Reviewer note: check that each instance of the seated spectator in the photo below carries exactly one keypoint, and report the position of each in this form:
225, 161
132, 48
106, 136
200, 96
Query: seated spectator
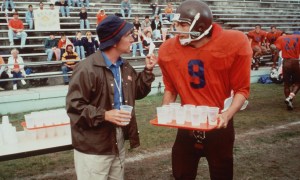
84, 22
137, 42
125, 8
68, 65
51, 46
78, 44
64, 8
8, 3
85, 3
169, 12
3, 74
100, 16
16, 68
257, 40
29, 17
156, 28
62, 43
148, 43
146, 25
156, 10
136, 23
41, 5
74, 3
16, 30
90, 44
51, 6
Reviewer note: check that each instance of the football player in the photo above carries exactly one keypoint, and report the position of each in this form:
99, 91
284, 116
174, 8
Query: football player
202, 64
272, 36
257, 40
290, 47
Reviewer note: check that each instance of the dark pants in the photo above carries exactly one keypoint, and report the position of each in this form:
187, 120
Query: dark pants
217, 148
4, 75
291, 76
17, 75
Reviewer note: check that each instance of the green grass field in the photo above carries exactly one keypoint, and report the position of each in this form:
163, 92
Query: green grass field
266, 109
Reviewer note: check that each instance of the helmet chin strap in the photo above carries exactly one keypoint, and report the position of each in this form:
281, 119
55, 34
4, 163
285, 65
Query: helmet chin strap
188, 40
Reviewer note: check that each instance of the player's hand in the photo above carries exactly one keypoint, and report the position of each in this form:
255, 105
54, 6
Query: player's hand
151, 61
223, 120
118, 117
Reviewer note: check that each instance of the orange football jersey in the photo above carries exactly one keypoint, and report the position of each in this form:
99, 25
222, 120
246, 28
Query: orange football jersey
289, 45
206, 75
257, 38
272, 37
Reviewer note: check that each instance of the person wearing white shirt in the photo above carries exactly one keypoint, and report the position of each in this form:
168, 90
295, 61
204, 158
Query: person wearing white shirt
16, 67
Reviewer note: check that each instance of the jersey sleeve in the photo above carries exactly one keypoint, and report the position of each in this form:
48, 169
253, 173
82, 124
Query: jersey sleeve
240, 68
278, 43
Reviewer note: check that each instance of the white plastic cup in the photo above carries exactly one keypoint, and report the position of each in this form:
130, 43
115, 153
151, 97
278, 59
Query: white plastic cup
168, 109
126, 108
212, 115
29, 121
173, 107
195, 117
188, 108
203, 110
5, 120
162, 115
180, 116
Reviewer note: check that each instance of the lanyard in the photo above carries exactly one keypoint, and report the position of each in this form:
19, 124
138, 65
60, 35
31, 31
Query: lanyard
119, 86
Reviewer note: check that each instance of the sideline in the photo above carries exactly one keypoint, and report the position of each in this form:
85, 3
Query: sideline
146, 155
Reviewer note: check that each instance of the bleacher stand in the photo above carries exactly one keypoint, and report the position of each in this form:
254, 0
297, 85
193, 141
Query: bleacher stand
239, 14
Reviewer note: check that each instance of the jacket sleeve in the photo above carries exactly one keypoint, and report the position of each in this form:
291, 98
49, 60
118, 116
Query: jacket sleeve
143, 84
79, 108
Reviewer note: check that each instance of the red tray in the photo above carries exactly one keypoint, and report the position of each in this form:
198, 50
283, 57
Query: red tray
186, 125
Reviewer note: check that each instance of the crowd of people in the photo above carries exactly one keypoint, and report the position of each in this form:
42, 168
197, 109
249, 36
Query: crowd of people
144, 33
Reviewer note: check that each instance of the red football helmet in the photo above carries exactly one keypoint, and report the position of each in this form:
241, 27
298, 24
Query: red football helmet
198, 15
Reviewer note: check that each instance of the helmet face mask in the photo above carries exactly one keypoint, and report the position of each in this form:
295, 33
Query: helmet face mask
198, 15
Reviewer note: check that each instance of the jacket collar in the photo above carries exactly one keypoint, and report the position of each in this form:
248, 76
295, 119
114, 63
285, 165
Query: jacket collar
98, 60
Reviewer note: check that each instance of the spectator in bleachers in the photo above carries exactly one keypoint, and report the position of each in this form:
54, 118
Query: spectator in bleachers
41, 5
85, 3
156, 28
51, 47
84, 22
74, 2
156, 10
29, 16
16, 30
148, 42
3, 74
137, 42
100, 16
125, 8
146, 25
90, 44
64, 8
9, 3
169, 12
257, 40
62, 43
78, 44
16, 67
136, 23
68, 66
51, 6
